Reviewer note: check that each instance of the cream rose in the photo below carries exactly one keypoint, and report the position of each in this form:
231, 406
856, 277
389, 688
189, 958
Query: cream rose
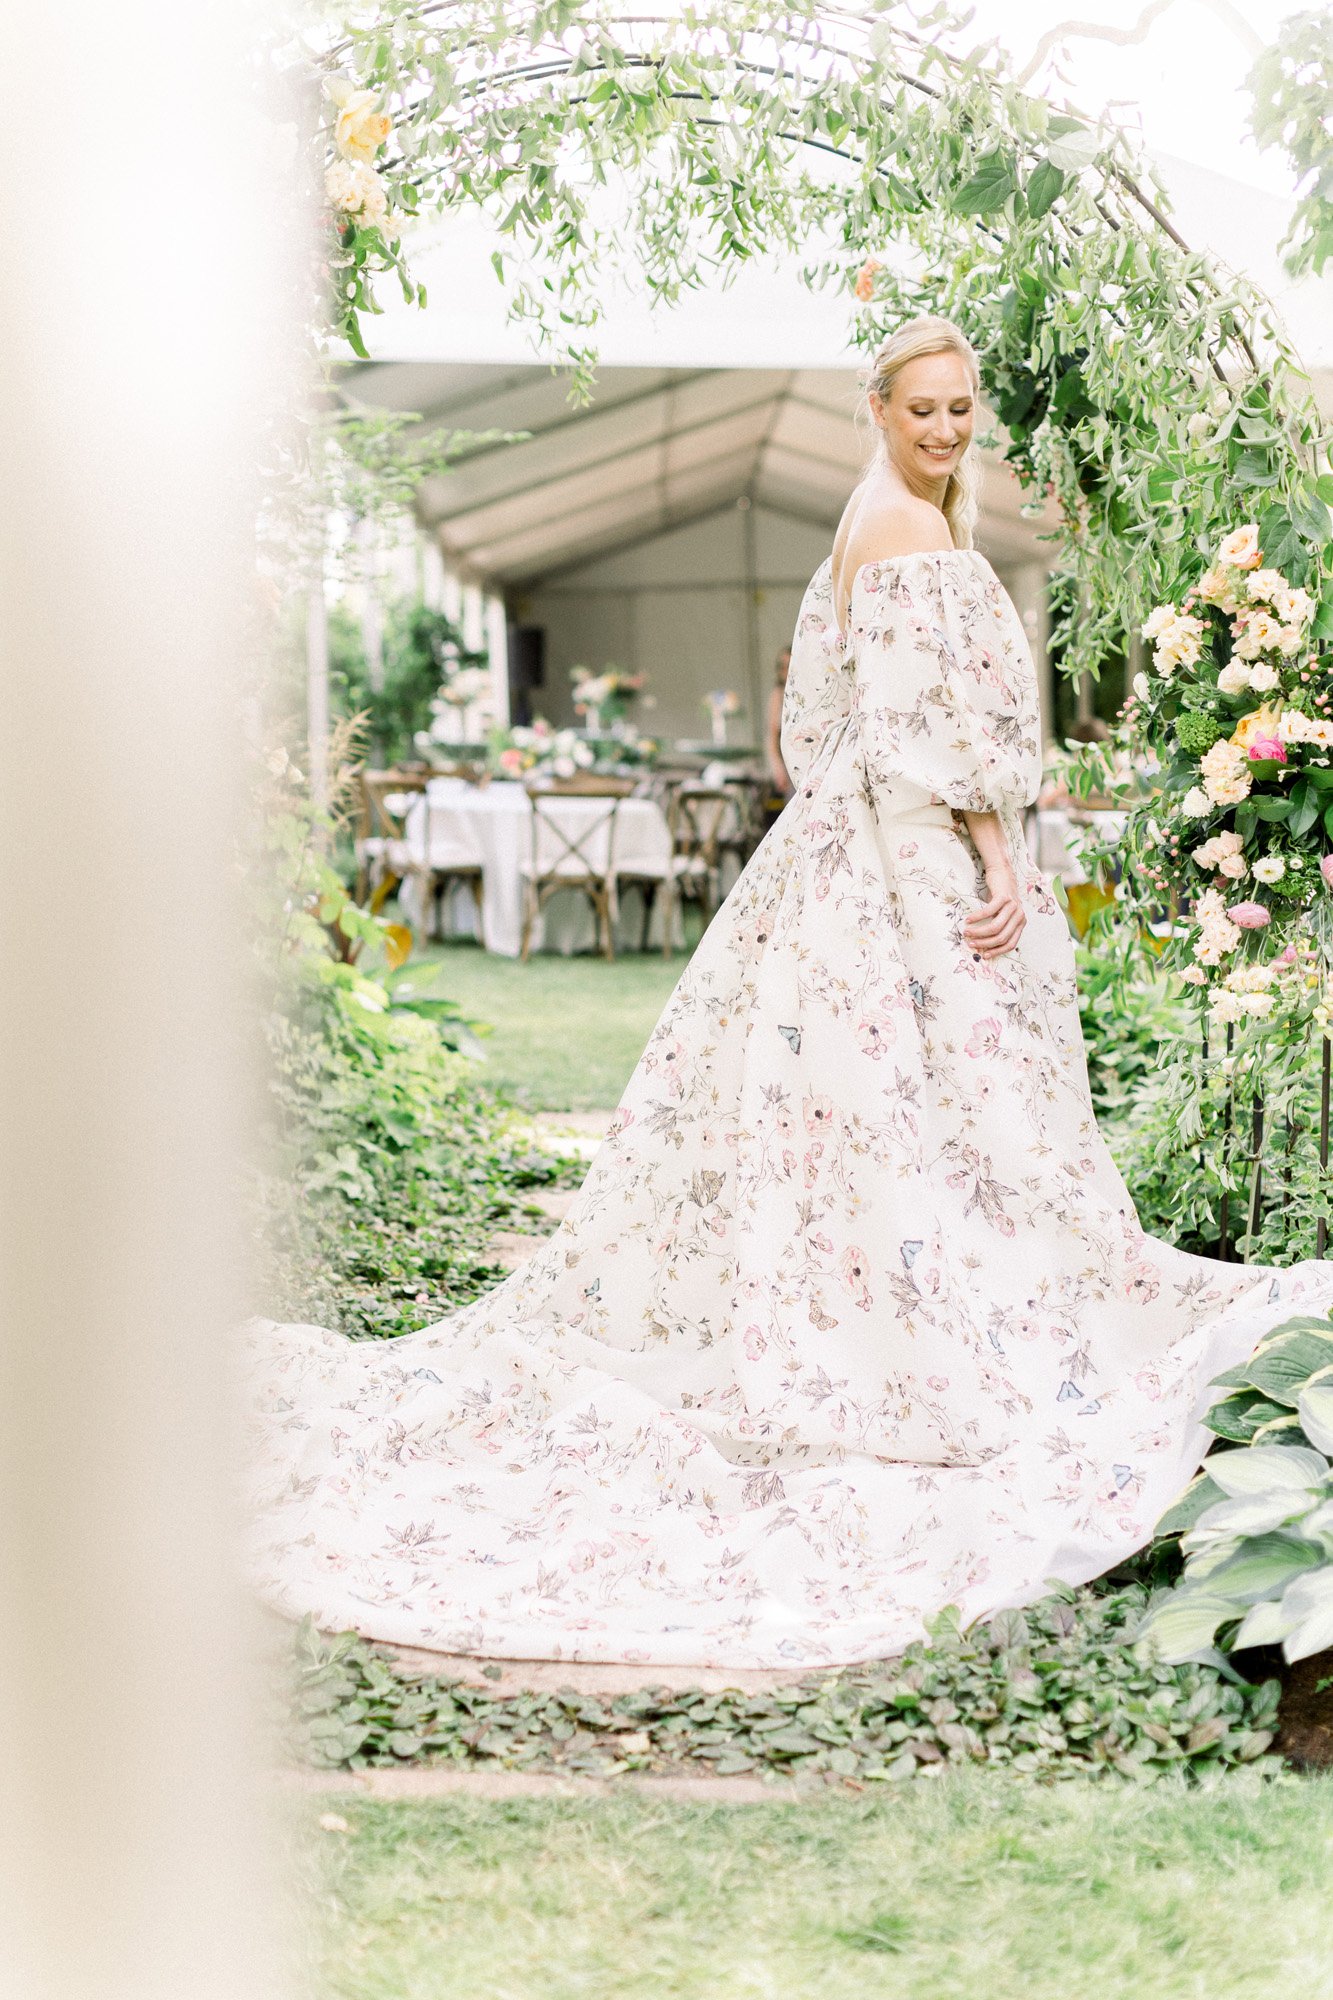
356, 190
1263, 583
1240, 549
1215, 588
1234, 677
1293, 607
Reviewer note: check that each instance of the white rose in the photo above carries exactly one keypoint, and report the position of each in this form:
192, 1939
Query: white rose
1140, 686
1263, 584
1293, 607
1263, 676
1232, 865
1234, 677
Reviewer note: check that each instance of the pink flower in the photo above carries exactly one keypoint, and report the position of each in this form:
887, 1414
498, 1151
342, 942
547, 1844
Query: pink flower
1267, 746
865, 279
1288, 956
1248, 916
1326, 869
511, 760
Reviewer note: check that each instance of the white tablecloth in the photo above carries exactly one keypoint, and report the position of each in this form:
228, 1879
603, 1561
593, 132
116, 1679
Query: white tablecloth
490, 826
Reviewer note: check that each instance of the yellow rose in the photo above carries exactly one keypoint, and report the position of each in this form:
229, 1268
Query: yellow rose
1259, 722
360, 130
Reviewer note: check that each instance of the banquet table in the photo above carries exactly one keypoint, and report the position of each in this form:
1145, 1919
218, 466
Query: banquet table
457, 824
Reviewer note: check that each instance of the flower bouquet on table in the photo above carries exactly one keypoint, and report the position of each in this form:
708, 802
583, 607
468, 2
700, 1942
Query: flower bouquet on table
463, 710
1240, 840
604, 699
719, 705
537, 750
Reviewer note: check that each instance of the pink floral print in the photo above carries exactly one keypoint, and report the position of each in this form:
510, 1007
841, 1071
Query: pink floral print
852, 1318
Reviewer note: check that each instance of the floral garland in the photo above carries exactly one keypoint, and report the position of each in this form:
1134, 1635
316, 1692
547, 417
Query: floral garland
1254, 781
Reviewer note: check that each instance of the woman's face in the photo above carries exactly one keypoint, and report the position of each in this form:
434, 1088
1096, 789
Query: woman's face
927, 418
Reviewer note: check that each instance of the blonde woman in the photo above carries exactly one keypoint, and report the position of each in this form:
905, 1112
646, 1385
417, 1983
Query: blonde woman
853, 1318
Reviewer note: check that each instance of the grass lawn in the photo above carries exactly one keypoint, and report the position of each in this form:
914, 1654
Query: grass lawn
568, 1031
974, 1887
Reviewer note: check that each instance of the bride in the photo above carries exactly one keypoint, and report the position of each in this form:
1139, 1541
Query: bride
852, 1318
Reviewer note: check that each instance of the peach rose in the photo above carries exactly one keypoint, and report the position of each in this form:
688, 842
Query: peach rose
1240, 549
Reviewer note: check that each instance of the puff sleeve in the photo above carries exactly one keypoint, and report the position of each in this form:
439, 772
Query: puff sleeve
945, 687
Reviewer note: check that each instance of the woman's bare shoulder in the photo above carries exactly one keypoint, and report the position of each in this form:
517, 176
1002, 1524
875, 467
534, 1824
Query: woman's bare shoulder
897, 525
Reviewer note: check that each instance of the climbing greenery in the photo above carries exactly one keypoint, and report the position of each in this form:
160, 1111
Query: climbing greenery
1057, 1691
884, 143
1292, 85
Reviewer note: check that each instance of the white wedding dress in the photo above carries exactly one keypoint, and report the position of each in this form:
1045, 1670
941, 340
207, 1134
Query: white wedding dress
852, 1318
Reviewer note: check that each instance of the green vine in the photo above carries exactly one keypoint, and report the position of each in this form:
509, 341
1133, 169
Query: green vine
1057, 1691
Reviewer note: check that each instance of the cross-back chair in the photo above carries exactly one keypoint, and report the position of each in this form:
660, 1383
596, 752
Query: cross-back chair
573, 853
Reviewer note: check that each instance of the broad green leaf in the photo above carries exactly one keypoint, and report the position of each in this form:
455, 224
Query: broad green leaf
1282, 1366
1255, 1514
1273, 1469
1184, 1512
1262, 1567
989, 187
1314, 1407
1072, 149
1238, 1417
1308, 1604
1182, 1625
1262, 1625
1043, 190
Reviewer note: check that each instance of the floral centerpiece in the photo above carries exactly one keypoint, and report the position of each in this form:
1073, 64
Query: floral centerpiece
604, 700
1236, 683
538, 750
463, 710
719, 704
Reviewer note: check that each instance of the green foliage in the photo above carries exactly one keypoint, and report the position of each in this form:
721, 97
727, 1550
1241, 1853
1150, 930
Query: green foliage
1055, 1691
1256, 1524
385, 1169
1196, 733
1112, 335
1292, 83
423, 649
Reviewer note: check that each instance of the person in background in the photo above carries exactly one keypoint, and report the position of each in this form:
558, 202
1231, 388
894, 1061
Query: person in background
777, 770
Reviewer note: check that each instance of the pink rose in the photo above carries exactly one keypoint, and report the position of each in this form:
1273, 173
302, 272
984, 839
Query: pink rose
1288, 956
1267, 746
1326, 869
1248, 916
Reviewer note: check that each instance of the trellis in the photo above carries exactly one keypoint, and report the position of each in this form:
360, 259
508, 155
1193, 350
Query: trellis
1151, 393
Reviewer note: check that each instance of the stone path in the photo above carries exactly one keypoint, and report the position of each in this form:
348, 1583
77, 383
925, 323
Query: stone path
426, 1781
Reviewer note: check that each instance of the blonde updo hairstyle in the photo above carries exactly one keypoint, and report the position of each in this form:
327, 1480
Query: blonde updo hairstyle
929, 334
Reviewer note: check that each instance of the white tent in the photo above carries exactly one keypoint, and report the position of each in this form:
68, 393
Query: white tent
670, 526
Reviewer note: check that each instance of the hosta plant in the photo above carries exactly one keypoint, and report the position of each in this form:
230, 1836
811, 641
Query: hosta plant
1258, 1522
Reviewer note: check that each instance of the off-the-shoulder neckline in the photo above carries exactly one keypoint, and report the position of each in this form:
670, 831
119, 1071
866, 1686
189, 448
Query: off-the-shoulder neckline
883, 562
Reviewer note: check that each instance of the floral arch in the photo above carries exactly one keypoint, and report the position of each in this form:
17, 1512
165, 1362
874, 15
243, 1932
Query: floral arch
1147, 390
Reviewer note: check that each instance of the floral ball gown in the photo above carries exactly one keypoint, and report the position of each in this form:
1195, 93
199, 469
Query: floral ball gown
852, 1318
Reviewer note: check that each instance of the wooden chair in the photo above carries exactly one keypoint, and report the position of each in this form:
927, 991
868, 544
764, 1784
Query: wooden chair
381, 843
698, 820
697, 816
573, 855
444, 865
